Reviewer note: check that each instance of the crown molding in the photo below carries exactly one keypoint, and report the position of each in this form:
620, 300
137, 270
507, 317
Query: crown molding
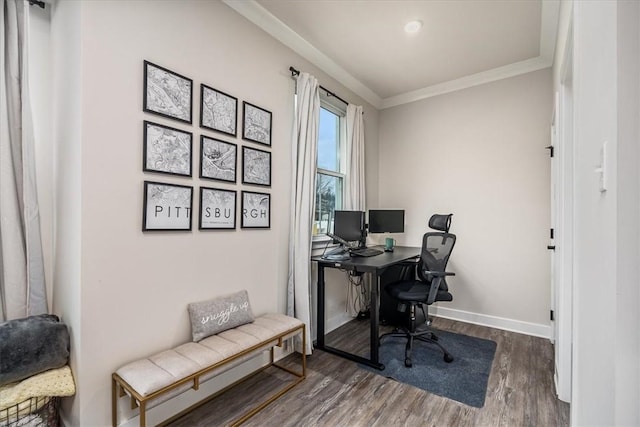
511, 70
281, 32
261, 17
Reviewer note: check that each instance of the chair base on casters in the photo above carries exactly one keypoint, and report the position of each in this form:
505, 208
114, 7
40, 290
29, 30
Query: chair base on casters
412, 334
425, 336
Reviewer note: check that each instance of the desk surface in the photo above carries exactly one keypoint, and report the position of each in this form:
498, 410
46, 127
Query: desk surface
385, 259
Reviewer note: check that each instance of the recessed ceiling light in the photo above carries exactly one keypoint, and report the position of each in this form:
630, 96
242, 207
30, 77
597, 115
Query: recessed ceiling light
413, 26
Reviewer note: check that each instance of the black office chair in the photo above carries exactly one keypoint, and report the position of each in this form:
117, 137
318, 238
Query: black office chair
430, 285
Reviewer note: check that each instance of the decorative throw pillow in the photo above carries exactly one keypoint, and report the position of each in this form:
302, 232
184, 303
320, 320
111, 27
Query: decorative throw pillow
32, 345
219, 314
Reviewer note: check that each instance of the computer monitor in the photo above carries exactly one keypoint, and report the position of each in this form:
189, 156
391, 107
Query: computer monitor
386, 221
349, 225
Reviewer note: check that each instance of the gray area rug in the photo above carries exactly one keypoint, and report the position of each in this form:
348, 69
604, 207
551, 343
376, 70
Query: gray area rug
464, 380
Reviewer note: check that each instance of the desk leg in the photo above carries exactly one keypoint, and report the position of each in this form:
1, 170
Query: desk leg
374, 317
320, 338
320, 314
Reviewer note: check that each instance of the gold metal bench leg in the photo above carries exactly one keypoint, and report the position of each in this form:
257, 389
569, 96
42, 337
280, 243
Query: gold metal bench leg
114, 402
143, 414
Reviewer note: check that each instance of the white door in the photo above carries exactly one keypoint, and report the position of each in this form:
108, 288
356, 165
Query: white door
562, 177
551, 247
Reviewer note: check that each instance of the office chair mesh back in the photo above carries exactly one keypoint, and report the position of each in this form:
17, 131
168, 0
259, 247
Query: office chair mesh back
440, 222
436, 249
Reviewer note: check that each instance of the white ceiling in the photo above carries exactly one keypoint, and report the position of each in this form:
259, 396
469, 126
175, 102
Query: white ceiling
362, 44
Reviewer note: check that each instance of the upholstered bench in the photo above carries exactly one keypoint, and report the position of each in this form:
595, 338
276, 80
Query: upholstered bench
159, 377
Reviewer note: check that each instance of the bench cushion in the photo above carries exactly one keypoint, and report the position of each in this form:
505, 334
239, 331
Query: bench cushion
153, 373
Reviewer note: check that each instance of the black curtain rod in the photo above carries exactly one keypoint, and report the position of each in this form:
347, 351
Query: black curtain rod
295, 72
37, 3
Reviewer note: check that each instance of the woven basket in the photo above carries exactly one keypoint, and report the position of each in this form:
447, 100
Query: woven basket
33, 412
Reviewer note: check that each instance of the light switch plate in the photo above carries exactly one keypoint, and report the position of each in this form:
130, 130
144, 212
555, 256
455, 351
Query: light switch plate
602, 170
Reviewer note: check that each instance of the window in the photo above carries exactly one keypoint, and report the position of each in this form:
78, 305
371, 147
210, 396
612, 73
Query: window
330, 171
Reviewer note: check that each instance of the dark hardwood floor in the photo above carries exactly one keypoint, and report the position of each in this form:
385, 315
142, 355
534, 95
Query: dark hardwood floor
337, 392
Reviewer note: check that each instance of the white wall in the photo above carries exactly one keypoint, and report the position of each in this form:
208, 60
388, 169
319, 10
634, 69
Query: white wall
627, 372
606, 306
124, 292
479, 153
595, 220
67, 217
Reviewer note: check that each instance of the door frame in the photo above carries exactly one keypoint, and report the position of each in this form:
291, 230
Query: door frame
564, 234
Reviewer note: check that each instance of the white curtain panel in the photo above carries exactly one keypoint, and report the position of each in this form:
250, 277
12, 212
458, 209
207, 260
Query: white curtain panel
22, 286
303, 169
355, 195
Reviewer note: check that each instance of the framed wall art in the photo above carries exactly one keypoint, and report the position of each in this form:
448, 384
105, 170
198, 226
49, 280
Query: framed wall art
256, 167
217, 209
219, 111
256, 210
166, 150
256, 124
218, 159
166, 207
167, 93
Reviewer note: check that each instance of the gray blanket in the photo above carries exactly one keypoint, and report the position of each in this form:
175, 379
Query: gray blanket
32, 345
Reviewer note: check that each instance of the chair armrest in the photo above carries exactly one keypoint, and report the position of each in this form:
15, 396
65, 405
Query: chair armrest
439, 273
433, 291
438, 277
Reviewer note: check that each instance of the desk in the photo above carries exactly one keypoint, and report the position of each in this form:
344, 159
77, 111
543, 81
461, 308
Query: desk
375, 265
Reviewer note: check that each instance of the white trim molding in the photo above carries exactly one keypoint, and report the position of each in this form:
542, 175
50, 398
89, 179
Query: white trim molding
519, 326
261, 17
336, 321
511, 70
512, 325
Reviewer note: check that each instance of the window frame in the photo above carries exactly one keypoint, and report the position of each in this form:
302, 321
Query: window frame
338, 108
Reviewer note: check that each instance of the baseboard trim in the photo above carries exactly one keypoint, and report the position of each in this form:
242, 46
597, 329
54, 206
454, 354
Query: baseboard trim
336, 321
527, 328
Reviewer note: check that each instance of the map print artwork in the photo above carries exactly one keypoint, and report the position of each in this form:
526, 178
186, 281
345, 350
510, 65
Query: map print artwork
256, 210
219, 110
218, 159
167, 150
217, 208
167, 206
256, 166
257, 124
167, 93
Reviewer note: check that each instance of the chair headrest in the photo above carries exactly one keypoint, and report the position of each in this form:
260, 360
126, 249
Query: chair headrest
440, 222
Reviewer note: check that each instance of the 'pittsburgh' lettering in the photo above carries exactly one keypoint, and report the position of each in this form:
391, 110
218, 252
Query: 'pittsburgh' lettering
175, 211
217, 213
255, 213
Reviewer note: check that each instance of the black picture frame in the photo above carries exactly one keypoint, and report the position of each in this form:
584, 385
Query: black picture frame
218, 208
166, 150
218, 111
167, 207
256, 124
218, 159
256, 167
167, 93
256, 210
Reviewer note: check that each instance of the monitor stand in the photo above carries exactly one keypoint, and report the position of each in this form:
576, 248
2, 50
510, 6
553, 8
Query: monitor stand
337, 254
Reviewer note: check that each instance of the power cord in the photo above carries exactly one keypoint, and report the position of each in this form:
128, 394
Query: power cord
357, 295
